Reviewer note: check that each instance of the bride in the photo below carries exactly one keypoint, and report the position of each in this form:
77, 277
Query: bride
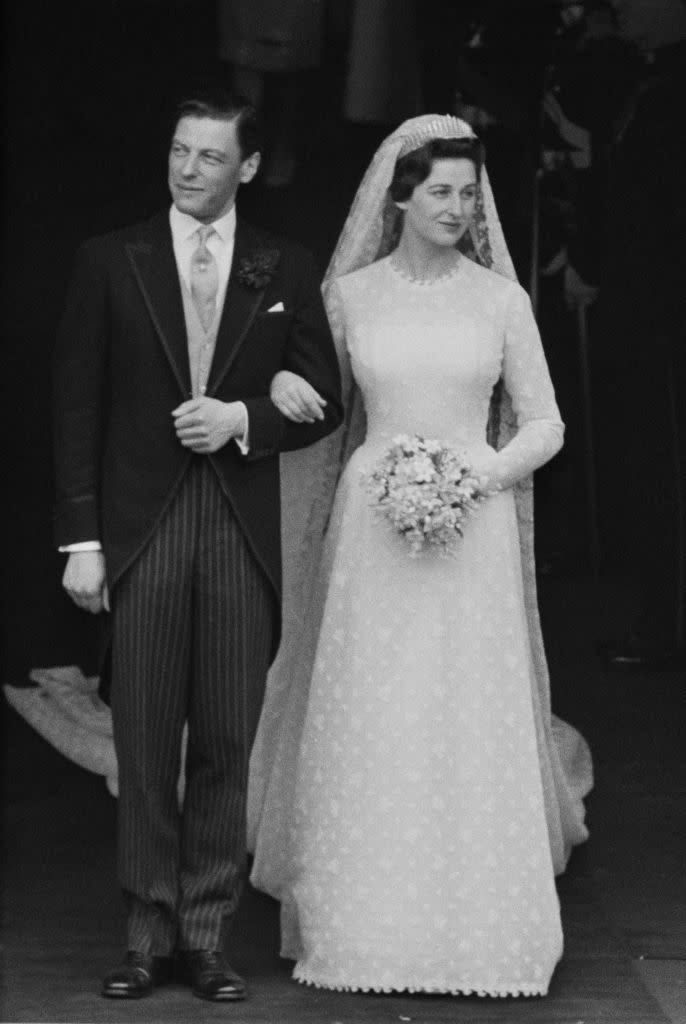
412, 795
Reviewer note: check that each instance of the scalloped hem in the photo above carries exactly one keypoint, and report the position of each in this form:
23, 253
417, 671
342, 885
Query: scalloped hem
303, 976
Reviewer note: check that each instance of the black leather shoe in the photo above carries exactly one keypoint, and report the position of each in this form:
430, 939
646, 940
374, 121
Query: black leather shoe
212, 978
137, 976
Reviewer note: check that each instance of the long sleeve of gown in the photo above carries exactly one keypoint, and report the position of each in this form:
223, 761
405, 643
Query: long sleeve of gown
540, 430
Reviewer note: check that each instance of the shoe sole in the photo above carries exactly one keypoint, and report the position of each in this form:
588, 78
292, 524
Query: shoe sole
228, 998
116, 994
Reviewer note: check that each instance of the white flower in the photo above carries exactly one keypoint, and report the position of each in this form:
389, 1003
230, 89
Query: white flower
423, 487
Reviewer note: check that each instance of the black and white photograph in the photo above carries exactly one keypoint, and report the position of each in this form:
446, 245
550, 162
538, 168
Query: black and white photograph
344, 597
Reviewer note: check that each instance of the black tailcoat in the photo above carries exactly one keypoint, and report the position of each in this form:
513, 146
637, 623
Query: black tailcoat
121, 367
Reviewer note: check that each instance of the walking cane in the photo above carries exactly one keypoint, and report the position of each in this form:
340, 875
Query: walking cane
589, 449
680, 507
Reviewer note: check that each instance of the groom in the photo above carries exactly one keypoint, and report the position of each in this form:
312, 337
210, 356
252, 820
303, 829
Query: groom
167, 465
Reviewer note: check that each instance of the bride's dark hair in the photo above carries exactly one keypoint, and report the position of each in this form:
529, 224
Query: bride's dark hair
413, 169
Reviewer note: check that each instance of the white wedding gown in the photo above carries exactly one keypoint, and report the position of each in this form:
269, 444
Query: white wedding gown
415, 809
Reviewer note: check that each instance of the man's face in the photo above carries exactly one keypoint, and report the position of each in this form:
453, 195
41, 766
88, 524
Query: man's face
206, 168
571, 13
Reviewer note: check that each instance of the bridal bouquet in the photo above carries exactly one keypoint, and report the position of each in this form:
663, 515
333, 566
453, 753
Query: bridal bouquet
425, 489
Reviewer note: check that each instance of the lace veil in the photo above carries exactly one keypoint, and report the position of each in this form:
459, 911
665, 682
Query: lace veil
309, 481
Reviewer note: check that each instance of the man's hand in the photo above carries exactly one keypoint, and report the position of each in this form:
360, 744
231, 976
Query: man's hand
85, 581
205, 424
576, 291
295, 398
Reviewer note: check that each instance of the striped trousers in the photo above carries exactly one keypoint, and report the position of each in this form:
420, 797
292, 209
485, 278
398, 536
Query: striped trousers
193, 624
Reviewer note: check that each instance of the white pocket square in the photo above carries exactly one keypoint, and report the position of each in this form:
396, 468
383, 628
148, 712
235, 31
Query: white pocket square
278, 308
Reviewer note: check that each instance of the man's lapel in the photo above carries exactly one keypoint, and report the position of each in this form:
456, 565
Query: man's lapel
154, 265
241, 304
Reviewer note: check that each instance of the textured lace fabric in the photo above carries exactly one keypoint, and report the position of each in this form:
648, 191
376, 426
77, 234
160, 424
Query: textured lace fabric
409, 842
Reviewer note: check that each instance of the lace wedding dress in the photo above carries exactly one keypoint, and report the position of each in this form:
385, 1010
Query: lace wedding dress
405, 822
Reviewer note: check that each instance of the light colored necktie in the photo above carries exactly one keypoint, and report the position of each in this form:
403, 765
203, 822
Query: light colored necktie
204, 278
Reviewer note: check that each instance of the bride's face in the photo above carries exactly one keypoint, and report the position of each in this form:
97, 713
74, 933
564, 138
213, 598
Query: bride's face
441, 207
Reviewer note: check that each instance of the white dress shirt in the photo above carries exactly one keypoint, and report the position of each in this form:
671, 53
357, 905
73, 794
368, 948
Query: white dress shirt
184, 229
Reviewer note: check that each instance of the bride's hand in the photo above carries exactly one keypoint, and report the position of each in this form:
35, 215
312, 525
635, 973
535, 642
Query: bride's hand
295, 398
482, 464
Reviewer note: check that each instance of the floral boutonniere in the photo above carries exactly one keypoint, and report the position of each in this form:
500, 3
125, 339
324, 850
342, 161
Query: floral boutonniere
256, 270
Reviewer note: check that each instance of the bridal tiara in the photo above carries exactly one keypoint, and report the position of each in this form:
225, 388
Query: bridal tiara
445, 126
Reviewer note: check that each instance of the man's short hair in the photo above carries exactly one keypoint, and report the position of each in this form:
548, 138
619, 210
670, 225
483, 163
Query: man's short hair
224, 105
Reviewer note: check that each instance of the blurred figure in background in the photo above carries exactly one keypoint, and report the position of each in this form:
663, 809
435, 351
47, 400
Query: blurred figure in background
590, 80
499, 90
383, 78
652, 24
270, 43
